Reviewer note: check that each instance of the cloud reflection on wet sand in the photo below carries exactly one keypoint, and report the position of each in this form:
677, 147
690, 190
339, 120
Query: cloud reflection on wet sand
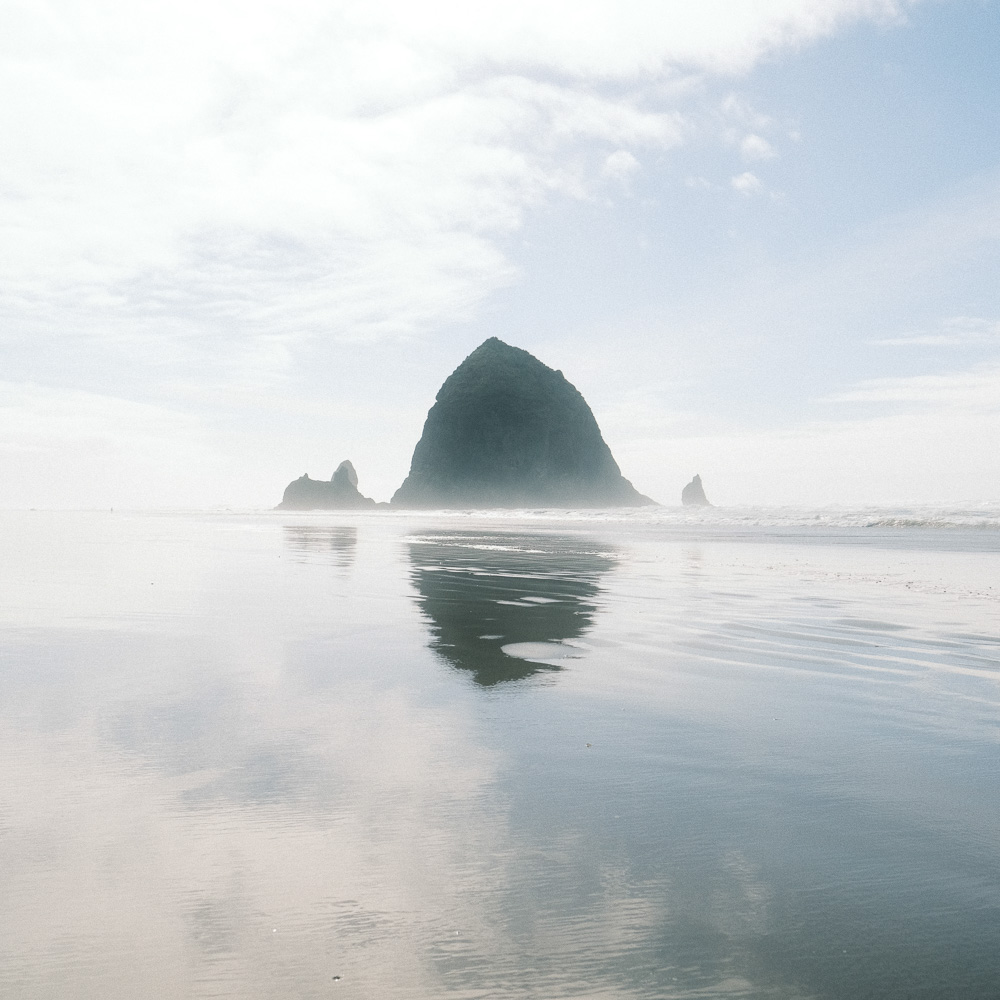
737, 788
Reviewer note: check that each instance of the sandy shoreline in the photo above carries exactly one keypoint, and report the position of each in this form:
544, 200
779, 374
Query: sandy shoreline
246, 753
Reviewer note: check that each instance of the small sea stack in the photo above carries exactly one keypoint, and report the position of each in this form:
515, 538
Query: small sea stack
340, 493
693, 495
508, 431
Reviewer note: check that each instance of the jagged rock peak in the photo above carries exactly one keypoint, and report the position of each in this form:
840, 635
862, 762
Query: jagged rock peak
345, 475
508, 431
340, 493
693, 495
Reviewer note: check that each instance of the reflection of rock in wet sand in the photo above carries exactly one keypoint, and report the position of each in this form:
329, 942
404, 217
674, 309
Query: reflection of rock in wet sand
336, 543
506, 605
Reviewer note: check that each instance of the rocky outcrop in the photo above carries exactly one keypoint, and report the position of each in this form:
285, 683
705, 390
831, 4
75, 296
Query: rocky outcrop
340, 493
507, 431
693, 495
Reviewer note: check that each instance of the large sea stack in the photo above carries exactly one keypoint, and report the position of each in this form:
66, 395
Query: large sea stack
340, 493
507, 431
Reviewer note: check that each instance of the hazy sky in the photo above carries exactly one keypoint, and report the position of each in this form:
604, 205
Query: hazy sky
239, 242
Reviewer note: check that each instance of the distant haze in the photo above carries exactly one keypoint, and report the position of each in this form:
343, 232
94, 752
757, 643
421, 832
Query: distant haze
243, 242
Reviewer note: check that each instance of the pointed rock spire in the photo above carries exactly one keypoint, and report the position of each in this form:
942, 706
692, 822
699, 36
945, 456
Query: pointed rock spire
693, 495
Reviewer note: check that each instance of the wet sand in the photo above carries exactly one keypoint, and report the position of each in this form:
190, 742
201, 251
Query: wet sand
244, 754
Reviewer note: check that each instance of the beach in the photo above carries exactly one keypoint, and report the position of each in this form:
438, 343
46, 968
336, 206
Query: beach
657, 753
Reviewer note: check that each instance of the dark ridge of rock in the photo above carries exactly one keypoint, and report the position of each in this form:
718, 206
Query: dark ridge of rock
340, 493
693, 495
507, 431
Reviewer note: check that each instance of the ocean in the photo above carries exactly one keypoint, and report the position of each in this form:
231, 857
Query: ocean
657, 753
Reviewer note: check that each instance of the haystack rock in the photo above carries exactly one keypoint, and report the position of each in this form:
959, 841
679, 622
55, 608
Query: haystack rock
507, 431
340, 493
693, 495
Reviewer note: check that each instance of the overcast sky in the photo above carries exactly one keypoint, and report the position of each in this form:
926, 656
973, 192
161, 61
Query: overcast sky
239, 242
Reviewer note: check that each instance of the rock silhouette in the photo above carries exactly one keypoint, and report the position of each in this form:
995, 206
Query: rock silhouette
505, 606
693, 495
340, 493
508, 431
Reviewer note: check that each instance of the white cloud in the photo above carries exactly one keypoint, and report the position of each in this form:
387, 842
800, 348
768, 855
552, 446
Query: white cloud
742, 116
746, 183
977, 390
957, 331
755, 147
179, 150
190, 193
918, 340
291, 218
620, 165
621, 39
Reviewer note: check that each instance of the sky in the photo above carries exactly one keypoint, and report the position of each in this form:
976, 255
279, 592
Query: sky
243, 242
